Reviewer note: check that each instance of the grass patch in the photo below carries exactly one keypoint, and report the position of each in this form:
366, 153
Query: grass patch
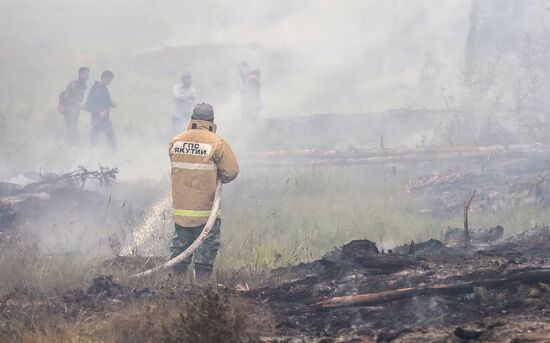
209, 317
280, 216
277, 217
283, 220
22, 266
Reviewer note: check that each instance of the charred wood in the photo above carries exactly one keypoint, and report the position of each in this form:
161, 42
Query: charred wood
467, 203
368, 299
376, 264
486, 235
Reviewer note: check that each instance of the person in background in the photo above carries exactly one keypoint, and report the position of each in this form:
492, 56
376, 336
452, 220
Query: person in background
251, 101
198, 157
71, 101
99, 104
184, 99
243, 70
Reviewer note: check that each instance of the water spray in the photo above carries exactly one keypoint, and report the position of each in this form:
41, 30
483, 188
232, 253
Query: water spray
197, 243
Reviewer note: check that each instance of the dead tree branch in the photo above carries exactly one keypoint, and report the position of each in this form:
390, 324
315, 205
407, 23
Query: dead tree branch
104, 176
467, 204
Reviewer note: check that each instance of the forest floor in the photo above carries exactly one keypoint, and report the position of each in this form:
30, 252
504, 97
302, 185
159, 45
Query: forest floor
426, 291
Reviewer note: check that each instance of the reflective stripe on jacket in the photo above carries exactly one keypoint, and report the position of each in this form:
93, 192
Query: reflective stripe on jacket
198, 157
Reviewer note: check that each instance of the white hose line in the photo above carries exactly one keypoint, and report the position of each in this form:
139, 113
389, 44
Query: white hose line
197, 243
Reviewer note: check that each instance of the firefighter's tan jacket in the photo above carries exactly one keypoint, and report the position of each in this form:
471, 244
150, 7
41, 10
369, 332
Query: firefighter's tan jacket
198, 157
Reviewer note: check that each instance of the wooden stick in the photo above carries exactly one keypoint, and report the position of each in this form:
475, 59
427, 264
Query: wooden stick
467, 204
369, 299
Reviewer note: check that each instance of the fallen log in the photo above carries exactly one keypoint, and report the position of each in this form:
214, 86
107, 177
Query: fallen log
369, 299
378, 156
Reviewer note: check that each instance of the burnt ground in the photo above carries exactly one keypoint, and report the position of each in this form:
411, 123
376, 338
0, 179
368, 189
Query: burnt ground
501, 303
506, 185
500, 294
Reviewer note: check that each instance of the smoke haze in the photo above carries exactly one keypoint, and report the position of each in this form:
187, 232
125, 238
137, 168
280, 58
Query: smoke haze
315, 56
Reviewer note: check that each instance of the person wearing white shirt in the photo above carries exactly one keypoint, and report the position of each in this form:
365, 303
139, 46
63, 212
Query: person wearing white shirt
184, 99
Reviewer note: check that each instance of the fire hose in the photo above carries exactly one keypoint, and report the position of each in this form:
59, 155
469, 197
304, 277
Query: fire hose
200, 239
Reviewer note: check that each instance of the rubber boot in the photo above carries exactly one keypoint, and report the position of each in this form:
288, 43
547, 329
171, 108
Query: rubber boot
180, 269
202, 273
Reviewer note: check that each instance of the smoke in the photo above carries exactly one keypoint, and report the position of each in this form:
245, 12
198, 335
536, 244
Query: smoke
342, 57
355, 57
485, 58
316, 56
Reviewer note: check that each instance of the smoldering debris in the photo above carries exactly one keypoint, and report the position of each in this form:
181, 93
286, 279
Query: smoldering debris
428, 247
428, 182
443, 292
444, 192
20, 202
357, 292
455, 235
67, 212
37, 182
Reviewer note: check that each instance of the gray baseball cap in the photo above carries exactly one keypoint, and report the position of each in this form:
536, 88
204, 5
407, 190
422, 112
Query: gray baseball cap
203, 112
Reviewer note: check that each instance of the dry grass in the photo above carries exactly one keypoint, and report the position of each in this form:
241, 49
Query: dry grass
23, 267
289, 215
215, 317
211, 316
276, 220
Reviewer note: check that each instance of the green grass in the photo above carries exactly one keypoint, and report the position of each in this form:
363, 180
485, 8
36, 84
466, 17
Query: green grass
280, 217
283, 219
276, 217
23, 267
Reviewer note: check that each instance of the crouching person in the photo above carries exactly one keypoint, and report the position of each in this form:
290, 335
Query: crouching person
198, 157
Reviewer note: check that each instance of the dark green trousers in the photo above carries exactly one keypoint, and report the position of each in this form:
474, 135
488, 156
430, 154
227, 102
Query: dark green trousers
206, 253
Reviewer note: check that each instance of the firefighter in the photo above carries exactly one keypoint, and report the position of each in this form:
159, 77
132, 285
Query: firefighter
198, 157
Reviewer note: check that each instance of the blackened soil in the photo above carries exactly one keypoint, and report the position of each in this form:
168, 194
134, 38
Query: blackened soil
481, 313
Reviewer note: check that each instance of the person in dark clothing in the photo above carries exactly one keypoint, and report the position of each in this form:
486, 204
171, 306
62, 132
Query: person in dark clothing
99, 104
71, 100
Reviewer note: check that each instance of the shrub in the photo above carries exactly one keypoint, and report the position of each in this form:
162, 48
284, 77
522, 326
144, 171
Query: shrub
213, 317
